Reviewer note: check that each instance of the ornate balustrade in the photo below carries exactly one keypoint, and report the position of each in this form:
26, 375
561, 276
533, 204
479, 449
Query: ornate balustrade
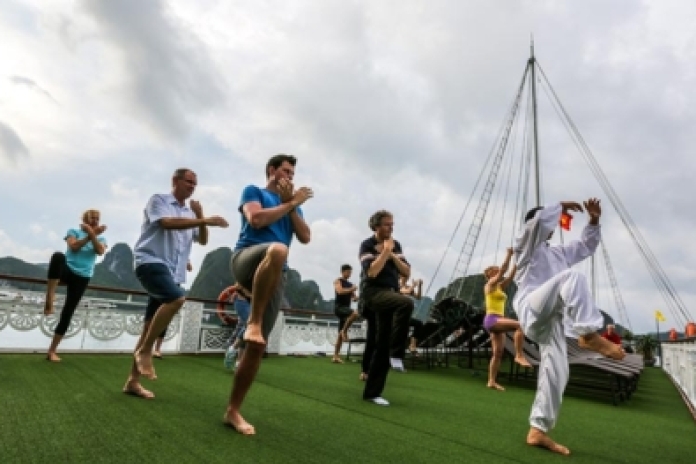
24, 328
679, 362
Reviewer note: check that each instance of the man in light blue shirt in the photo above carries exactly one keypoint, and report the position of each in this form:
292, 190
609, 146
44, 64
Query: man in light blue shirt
161, 255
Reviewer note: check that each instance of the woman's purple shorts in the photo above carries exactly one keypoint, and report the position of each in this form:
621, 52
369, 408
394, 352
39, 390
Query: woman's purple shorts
489, 321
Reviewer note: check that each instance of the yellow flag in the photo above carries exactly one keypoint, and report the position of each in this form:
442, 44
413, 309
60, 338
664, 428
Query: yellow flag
659, 316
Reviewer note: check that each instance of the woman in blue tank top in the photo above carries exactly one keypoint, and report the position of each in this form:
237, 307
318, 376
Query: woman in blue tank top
73, 268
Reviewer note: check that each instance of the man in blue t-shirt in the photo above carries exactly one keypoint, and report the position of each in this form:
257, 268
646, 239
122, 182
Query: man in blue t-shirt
270, 217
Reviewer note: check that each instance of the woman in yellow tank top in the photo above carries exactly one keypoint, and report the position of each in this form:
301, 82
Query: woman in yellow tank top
495, 321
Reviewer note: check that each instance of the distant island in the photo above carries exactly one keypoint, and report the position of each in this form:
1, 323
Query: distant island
116, 270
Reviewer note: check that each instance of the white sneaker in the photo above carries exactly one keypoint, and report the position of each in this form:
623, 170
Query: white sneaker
379, 401
397, 364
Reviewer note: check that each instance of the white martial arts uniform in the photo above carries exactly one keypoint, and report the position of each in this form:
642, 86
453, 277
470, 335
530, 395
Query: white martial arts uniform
552, 302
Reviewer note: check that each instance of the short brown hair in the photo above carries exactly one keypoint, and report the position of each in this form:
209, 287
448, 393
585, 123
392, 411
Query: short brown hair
376, 219
276, 161
181, 172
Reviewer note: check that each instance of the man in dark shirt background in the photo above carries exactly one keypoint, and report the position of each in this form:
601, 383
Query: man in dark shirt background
383, 261
345, 295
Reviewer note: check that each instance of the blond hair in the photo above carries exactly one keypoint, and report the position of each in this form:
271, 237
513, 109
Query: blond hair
89, 213
488, 269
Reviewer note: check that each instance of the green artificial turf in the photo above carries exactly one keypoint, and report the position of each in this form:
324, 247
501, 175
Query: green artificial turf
307, 410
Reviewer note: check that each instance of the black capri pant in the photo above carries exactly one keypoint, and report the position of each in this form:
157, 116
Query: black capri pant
76, 286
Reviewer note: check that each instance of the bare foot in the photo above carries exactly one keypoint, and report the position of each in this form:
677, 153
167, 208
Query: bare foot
53, 357
363, 376
496, 386
522, 361
336, 360
253, 334
157, 355
143, 362
134, 388
48, 308
602, 346
344, 336
536, 437
237, 422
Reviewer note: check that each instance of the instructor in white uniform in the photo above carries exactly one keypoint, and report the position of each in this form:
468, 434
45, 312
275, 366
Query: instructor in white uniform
553, 301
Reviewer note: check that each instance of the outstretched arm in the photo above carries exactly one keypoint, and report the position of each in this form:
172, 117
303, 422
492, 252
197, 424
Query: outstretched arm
577, 250
538, 229
419, 289
157, 210
500, 275
510, 278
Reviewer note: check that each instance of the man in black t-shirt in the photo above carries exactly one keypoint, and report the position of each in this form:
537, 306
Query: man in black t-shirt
345, 295
383, 261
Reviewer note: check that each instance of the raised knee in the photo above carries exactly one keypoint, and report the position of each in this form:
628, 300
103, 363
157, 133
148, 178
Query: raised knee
278, 253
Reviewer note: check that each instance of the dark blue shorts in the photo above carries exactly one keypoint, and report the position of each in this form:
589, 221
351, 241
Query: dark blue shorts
160, 286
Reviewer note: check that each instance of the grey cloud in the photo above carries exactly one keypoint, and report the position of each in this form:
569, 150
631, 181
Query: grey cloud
21, 80
418, 91
171, 74
11, 145
382, 105
430, 89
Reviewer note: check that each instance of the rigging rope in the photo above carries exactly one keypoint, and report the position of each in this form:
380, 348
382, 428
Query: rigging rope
674, 302
489, 159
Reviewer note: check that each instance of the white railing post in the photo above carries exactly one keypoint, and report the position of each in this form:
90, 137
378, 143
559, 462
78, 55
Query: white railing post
680, 364
191, 320
274, 339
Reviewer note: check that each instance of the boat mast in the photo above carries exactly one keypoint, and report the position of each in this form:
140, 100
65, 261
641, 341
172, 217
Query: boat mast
532, 67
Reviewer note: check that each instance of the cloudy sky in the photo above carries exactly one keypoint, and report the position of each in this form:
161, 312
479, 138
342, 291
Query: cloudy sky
386, 104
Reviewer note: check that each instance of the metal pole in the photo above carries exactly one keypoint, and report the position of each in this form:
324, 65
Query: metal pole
657, 337
531, 63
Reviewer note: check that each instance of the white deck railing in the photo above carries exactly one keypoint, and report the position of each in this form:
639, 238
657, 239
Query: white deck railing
24, 328
679, 362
